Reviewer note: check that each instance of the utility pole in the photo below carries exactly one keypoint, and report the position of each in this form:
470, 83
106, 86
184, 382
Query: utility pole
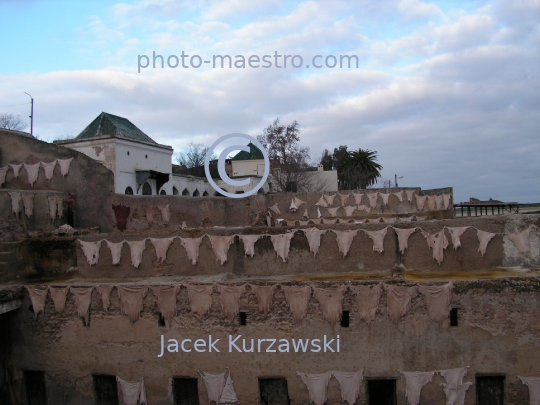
31, 114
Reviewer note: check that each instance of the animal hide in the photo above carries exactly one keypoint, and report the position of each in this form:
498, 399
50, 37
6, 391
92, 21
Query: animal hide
313, 236
349, 210
420, 202
446, 200
295, 204
275, 208
329, 198
438, 301
83, 298
149, 214
378, 239
131, 300
133, 393
319, 213
364, 208
345, 240
298, 300
265, 295
282, 245
64, 166
269, 219
484, 238
15, 203
303, 223
228, 299
116, 251
184, 225
403, 237
249, 243
16, 169
105, 292
162, 246
330, 302
454, 377
367, 300
455, 234
305, 214
343, 198
48, 168
228, 396
3, 171
399, 195
398, 300
122, 213
358, 198
415, 381
438, 242
372, 199
389, 220
192, 248
431, 202
317, 221
419, 218
349, 384
439, 202
220, 245
52, 207
322, 202
32, 172
200, 298
521, 239
58, 295
165, 213
317, 385
384, 198
330, 221
214, 384
37, 297
409, 194
166, 301
91, 251
136, 248
60, 207
405, 219
457, 396
333, 211
534, 389
28, 204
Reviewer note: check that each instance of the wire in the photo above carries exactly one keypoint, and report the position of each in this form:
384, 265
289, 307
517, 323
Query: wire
12, 105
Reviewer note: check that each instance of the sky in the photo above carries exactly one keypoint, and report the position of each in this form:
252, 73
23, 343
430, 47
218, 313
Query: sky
446, 92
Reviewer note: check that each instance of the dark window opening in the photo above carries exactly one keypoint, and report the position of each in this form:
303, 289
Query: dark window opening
36, 393
186, 391
146, 156
185, 192
162, 192
128, 153
146, 189
239, 192
105, 391
196, 193
381, 392
31, 308
345, 319
261, 191
243, 318
129, 191
490, 390
291, 186
274, 391
161, 320
270, 186
175, 191
454, 317
216, 194
205, 194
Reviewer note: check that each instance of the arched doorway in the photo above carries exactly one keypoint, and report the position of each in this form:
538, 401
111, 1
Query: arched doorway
185, 192
196, 193
129, 191
162, 192
205, 194
174, 191
146, 189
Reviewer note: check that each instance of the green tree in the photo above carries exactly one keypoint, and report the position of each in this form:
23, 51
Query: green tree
356, 169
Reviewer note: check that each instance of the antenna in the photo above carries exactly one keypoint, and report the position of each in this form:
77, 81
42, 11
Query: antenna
31, 114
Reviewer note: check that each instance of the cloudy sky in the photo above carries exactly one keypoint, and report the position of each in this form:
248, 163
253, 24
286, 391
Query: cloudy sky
447, 92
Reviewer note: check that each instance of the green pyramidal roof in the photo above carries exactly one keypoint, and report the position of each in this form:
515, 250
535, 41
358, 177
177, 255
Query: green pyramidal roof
108, 124
253, 154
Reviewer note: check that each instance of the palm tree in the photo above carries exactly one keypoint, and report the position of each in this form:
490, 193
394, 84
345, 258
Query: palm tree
359, 170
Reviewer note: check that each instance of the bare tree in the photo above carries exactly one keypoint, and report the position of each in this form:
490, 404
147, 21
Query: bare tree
193, 156
12, 122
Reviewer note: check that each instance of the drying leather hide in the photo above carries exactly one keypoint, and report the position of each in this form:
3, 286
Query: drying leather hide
367, 300
162, 245
52, 207
275, 208
317, 221
439, 201
330, 302
403, 237
60, 207
32, 171
390, 220
431, 202
358, 198
420, 202
534, 389
133, 393
64, 166
83, 298
192, 248
15, 203
484, 238
372, 199
343, 198
364, 208
37, 297
200, 298
415, 381
220, 245
136, 248
165, 213
349, 384
214, 384
116, 251
228, 396
454, 377
229, 297
305, 214
16, 169
295, 204
455, 233
149, 214
446, 200
322, 202
3, 171
249, 243
58, 295
91, 251
282, 245
333, 211
329, 198
419, 218
409, 194
166, 301
298, 300
456, 396
399, 195
122, 213
398, 300
438, 301
131, 300
105, 292
345, 240
265, 295
349, 210
28, 204
438, 242
313, 236
384, 198
521, 239
378, 239
330, 221
48, 168
317, 385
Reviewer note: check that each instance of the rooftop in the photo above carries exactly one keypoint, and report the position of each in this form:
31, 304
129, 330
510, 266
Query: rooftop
108, 124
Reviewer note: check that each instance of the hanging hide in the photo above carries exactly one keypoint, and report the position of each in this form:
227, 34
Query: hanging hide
305, 214
3, 172
317, 385
15, 203
330, 302
165, 213
282, 245
454, 377
265, 295
415, 381
58, 295
228, 299
200, 298
192, 248
121, 213
333, 211
64, 166
313, 236
367, 300
438, 242
399, 195
214, 383
349, 384
534, 389
345, 240
410, 194
149, 214
53, 205
166, 301
131, 300
322, 202
162, 246
133, 393
329, 198
91, 251
16, 169
330, 221
136, 248
37, 297
228, 396
298, 300
364, 208
431, 202
60, 207
349, 210
439, 202
384, 198
249, 243
48, 168
220, 246
438, 301
343, 198
446, 200
390, 220
378, 239
275, 208
403, 237
32, 172
455, 234
116, 251
83, 298
372, 199
522, 240
483, 239
358, 198
28, 204
456, 396
295, 204
105, 292
398, 300
420, 202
